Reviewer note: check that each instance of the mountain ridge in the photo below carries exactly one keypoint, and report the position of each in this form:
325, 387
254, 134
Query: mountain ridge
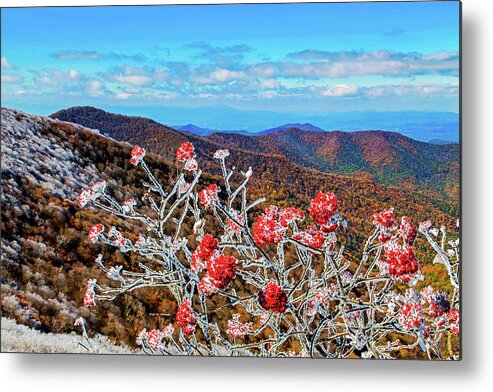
386, 157
201, 131
304, 127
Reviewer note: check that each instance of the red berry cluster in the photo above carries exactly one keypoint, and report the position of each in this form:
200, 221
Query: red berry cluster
453, 319
385, 219
322, 207
118, 238
410, 315
288, 215
221, 270
311, 237
89, 298
90, 295
267, 231
185, 318
408, 231
185, 152
384, 237
137, 154
204, 252
271, 226
85, 197
209, 196
273, 298
154, 338
94, 232
233, 227
238, 329
401, 261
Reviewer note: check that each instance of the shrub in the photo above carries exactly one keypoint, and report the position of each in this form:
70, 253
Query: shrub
298, 295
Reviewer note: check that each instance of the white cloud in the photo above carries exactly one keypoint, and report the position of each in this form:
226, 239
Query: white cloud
6, 63
131, 75
202, 96
161, 75
304, 75
377, 91
168, 96
95, 85
73, 73
315, 64
136, 80
269, 84
57, 78
267, 94
131, 90
225, 75
441, 56
73, 55
264, 71
321, 69
204, 76
415, 89
391, 90
340, 90
77, 55
6, 78
122, 96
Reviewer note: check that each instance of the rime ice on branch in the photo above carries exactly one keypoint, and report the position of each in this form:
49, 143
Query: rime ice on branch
302, 292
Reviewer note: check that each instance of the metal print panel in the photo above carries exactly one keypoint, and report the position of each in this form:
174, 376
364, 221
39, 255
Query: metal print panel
272, 180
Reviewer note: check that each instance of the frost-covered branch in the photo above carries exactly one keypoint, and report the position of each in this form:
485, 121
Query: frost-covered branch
302, 292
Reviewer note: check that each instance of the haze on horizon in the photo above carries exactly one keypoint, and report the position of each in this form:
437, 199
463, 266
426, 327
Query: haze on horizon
279, 58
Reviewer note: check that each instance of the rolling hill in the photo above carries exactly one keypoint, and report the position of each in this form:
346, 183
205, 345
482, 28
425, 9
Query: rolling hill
304, 127
388, 158
206, 131
194, 129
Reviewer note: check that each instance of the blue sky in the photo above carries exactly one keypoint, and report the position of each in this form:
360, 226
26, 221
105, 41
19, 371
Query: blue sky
296, 57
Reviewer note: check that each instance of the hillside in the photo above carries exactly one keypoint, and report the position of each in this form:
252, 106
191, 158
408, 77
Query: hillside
191, 128
141, 131
17, 338
194, 129
299, 183
388, 158
303, 127
135, 130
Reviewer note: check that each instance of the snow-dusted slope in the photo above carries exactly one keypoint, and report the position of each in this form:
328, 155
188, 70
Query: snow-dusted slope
21, 339
29, 148
45, 257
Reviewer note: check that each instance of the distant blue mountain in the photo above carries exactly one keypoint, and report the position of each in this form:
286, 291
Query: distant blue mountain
417, 124
239, 132
206, 131
304, 127
194, 129
422, 125
440, 142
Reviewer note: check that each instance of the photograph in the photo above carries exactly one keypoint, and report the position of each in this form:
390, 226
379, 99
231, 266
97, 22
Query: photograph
274, 180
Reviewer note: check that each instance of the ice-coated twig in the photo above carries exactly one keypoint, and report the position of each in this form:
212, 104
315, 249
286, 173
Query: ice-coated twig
300, 286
